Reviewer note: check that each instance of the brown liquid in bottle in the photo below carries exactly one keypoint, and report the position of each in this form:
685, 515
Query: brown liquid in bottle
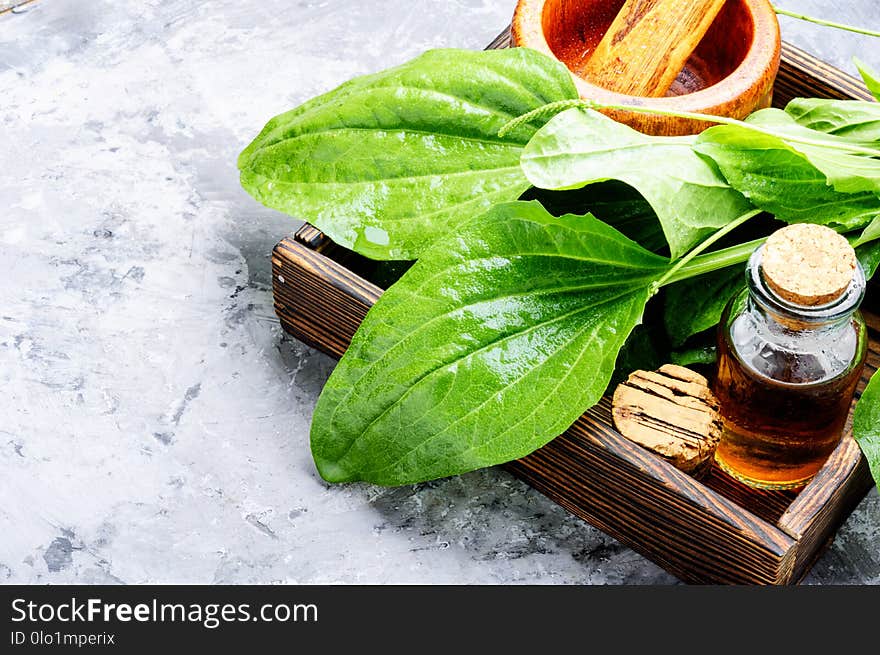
790, 353
779, 430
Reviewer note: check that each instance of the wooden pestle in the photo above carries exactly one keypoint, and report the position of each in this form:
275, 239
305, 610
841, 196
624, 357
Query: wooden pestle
648, 43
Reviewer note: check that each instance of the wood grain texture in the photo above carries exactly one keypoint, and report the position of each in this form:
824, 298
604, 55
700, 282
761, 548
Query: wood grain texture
800, 74
9, 5
715, 530
308, 286
730, 73
648, 44
672, 413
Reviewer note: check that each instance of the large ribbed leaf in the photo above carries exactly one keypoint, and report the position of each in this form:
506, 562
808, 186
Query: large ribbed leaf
581, 146
490, 346
845, 171
784, 178
854, 120
387, 162
696, 304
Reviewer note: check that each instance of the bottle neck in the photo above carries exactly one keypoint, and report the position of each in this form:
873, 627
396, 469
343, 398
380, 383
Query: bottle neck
783, 317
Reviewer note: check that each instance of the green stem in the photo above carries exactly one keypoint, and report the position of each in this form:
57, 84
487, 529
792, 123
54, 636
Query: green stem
871, 152
826, 23
716, 260
713, 261
553, 107
728, 257
684, 261
592, 104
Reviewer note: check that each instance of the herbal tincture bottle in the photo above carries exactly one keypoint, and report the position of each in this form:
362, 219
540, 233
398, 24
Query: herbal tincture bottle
790, 353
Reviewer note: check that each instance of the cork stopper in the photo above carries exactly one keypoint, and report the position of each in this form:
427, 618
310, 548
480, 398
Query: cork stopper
672, 413
808, 264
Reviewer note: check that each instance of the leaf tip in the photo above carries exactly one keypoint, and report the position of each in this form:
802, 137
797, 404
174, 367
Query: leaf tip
869, 76
332, 472
244, 157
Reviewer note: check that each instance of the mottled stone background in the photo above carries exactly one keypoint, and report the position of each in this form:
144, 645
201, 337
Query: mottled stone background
154, 419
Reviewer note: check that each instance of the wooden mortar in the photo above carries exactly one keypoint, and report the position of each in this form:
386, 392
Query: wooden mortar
730, 73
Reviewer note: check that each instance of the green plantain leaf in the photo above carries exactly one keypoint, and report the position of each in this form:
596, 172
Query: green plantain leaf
705, 354
870, 233
646, 348
869, 257
387, 162
696, 304
845, 171
581, 146
866, 425
856, 121
490, 346
870, 77
612, 202
782, 181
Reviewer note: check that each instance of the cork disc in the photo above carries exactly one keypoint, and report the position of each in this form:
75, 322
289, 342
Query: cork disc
672, 413
808, 264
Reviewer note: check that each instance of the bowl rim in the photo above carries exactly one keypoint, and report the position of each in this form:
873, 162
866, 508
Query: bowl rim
761, 59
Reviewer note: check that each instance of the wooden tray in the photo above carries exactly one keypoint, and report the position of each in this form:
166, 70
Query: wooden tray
711, 531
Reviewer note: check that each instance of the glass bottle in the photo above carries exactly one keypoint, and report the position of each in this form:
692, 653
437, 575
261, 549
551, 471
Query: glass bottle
789, 361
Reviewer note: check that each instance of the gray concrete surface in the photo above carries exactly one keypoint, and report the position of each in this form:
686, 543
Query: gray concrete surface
154, 419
